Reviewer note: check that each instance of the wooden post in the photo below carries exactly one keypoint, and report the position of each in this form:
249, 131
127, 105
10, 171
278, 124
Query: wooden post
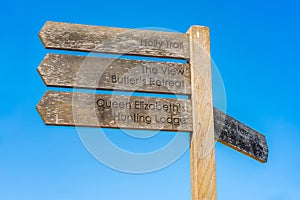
202, 161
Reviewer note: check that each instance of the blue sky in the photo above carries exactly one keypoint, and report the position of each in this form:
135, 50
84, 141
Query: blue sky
255, 45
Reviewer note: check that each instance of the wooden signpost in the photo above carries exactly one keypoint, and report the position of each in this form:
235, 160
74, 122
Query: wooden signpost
196, 114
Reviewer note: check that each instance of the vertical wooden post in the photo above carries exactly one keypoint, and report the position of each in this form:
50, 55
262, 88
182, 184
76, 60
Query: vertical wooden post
202, 161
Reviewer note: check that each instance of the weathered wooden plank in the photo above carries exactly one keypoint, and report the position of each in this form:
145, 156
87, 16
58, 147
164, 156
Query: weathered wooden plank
202, 152
66, 36
115, 74
240, 137
94, 110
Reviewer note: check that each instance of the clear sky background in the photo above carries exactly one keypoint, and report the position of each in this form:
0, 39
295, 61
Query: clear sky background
255, 45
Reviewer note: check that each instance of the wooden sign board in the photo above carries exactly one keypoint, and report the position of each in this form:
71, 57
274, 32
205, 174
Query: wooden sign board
112, 111
115, 74
240, 137
77, 37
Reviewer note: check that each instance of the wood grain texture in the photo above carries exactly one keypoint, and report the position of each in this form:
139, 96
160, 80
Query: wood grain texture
77, 37
203, 167
240, 137
115, 74
93, 110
